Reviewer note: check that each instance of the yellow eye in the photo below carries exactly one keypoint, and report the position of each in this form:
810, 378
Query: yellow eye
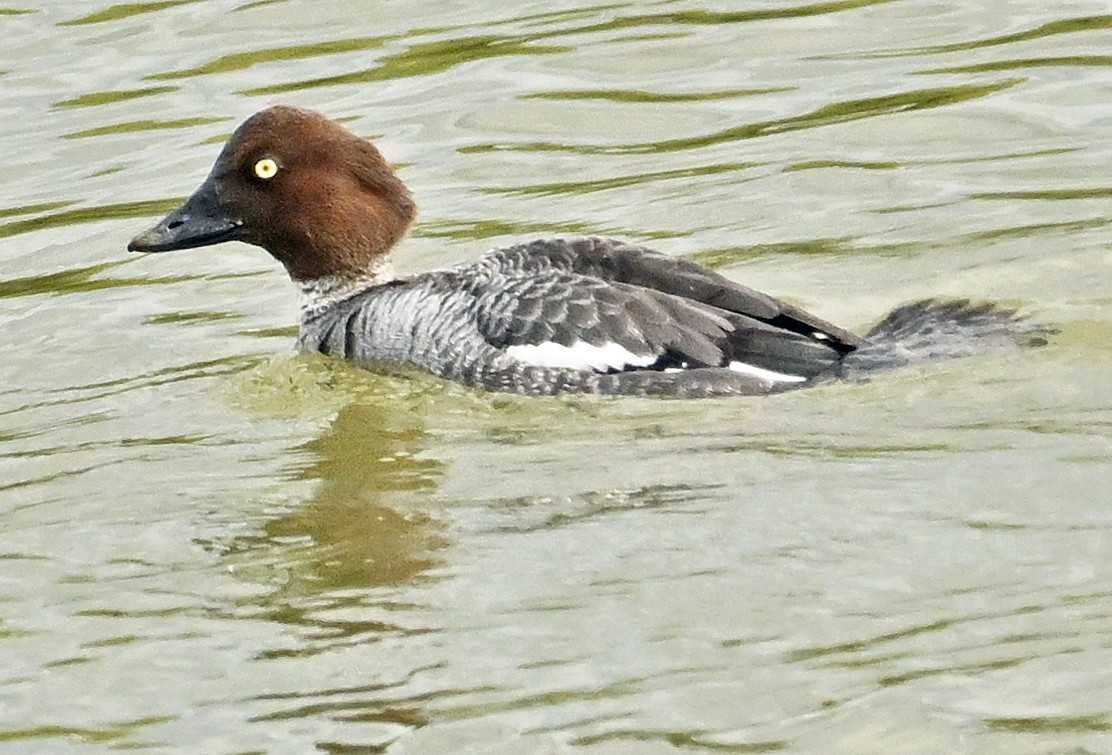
266, 168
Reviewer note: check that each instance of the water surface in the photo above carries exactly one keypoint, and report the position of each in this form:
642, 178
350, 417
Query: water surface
211, 544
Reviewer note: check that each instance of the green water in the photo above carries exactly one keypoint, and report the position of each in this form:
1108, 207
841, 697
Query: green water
211, 544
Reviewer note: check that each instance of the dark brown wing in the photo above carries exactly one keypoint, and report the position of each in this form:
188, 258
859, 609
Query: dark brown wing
618, 262
621, 308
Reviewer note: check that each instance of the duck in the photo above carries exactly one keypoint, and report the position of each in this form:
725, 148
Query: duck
551, 316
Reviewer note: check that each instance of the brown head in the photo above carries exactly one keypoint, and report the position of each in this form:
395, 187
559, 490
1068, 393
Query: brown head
320, 199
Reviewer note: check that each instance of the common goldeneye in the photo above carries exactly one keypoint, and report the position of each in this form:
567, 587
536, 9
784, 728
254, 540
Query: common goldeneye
585, 315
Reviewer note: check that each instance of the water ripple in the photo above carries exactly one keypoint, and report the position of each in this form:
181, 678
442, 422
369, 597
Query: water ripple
241, 61
125, 10
1049, 29
95, 214
827, 115
94, 99
423, 59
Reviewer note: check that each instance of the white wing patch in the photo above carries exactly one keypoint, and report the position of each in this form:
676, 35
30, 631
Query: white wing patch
761, 372
611, 356
579, 356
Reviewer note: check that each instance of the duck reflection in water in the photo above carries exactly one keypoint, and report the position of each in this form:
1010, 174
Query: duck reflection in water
346, 537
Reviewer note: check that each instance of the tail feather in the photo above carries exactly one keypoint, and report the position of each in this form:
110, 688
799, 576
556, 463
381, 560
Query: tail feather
932, 329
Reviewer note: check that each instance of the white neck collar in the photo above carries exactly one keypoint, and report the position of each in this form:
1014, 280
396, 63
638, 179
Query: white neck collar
319, 293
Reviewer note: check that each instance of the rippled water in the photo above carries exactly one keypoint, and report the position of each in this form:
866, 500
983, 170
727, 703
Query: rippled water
211, 544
